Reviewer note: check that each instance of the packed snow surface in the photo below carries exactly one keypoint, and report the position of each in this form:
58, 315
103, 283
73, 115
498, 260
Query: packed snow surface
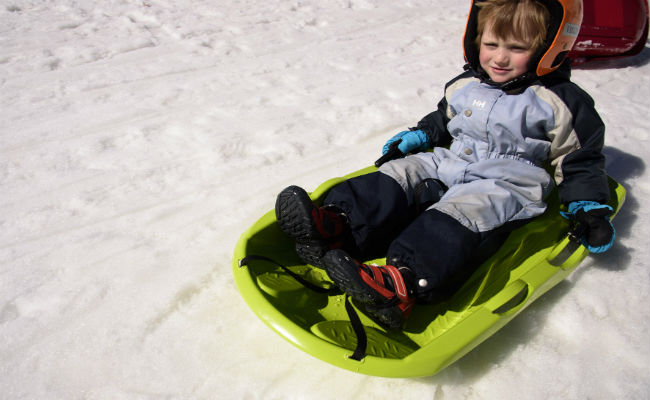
140, 138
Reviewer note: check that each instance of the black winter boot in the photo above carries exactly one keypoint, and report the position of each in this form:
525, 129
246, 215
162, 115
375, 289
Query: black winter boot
316, 230
384, 292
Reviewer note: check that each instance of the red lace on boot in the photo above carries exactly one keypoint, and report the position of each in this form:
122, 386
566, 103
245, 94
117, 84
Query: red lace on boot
330, 225
381, 291
398, 293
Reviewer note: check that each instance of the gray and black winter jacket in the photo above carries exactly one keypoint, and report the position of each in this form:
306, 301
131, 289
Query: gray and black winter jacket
548, 122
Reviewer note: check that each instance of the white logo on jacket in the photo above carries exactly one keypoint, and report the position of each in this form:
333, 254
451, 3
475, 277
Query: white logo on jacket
478, 104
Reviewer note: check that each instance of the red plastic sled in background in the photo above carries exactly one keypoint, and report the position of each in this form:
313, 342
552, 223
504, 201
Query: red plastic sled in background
611, 28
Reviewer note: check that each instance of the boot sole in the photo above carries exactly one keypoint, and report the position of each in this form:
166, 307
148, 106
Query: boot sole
311, 252
293, 210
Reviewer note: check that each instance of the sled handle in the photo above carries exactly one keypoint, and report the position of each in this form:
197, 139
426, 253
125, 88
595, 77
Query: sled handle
520, 293
567, 254
393, 153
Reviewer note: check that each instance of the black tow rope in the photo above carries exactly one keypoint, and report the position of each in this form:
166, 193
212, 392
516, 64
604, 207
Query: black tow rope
355, 321
244, 261
359, 331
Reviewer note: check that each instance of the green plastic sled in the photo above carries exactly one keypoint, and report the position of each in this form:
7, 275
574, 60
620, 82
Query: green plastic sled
534, 258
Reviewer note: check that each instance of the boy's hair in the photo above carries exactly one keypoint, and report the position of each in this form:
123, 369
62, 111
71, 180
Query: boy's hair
526, 20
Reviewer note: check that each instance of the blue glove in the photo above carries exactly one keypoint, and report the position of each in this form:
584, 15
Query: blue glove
591, 224
411, 141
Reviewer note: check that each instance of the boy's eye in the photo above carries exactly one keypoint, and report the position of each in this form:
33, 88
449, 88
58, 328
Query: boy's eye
518, 47
489, 44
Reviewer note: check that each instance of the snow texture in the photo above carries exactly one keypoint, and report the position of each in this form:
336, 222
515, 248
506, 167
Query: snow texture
139, 138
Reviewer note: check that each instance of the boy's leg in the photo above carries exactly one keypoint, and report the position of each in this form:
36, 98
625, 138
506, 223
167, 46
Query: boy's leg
377, 210
381, 204
363, 214
427, 262
442, 253
445, 244
438, 250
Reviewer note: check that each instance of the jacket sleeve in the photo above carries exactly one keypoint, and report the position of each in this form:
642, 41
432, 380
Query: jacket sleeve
576, 147
434, 125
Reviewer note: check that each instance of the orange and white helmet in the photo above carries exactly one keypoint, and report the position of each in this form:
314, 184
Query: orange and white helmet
566, 18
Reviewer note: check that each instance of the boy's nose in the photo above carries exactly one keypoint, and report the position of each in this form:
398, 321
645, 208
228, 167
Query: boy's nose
500, 57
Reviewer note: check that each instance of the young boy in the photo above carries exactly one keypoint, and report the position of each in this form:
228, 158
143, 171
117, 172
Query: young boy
437, 214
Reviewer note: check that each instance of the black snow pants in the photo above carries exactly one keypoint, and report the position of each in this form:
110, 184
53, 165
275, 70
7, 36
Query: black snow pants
440, 251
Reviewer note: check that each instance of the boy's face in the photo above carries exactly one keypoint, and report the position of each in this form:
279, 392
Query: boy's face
503, 59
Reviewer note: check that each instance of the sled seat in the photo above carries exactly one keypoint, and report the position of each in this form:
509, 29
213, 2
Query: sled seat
301, 304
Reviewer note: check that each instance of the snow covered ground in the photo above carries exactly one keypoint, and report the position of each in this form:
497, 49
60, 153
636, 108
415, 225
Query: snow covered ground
139, 138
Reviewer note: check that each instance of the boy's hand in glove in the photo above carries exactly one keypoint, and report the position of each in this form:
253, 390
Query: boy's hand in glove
591, 224
411, 141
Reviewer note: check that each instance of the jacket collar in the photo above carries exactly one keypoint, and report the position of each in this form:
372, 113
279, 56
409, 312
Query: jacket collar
518, 84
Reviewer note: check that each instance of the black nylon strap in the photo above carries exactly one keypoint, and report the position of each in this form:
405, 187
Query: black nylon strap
359, 331
244, 261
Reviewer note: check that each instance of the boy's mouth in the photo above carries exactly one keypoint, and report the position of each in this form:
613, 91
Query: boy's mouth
500, 70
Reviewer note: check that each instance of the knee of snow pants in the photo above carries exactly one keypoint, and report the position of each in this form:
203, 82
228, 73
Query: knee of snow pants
377, 210
439, 250
443, 253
